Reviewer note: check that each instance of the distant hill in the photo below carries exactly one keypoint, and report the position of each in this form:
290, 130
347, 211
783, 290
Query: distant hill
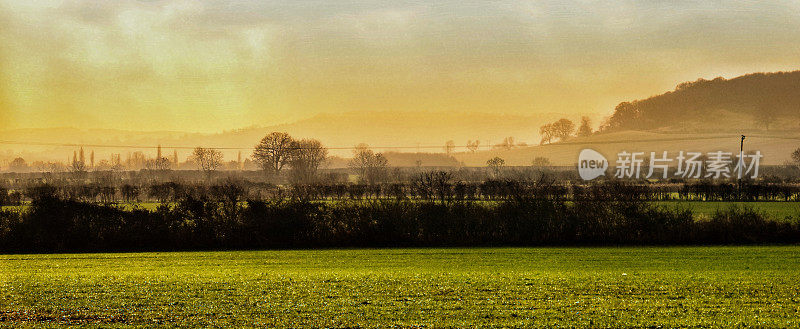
429, 130
767, 101
704, 115
409, 130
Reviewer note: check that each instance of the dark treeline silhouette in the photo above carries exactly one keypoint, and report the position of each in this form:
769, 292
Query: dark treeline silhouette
427, 186
765, 99
598, 214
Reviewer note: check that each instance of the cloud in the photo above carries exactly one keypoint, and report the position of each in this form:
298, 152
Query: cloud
142, 65
212, 65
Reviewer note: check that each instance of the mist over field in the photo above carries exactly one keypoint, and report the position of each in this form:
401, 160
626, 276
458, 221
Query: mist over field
702, 115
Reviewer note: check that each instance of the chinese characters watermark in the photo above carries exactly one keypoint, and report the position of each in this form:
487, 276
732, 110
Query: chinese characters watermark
713, 165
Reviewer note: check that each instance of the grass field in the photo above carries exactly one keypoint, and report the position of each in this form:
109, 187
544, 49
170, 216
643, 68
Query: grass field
496, 287
776, 210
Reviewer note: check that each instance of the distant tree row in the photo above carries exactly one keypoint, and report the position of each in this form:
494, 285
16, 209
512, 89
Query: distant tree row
563, 129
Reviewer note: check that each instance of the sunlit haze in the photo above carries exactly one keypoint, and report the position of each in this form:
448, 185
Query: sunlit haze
208, 66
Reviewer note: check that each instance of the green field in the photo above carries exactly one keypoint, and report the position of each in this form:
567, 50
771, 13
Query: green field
777, 210
498, 287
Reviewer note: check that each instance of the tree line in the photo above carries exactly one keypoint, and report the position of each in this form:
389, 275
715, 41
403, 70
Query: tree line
597, 215
563, 129
424, 186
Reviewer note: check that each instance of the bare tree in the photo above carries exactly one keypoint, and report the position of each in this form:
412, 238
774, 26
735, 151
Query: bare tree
362, 156
796, 157
274, 152
560, 130
432, 184
547, 133
207, 159
371, 166
308, 156
496, 165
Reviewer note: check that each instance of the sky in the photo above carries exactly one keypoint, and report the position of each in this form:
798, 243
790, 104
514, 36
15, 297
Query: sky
208, 66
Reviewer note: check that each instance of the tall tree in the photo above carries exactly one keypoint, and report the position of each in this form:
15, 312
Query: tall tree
207, 159
371, 166
547, 133
585, 130
78, 164
274, 152
496, 165
563, 128
796, 157
82, 158
305, 162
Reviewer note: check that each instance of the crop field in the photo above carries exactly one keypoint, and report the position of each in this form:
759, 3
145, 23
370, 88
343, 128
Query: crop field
778, 210
479, 287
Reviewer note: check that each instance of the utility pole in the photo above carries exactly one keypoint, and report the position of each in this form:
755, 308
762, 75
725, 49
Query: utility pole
741, 165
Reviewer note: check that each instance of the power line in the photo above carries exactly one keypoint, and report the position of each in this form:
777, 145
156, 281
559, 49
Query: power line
193, 147
8, 142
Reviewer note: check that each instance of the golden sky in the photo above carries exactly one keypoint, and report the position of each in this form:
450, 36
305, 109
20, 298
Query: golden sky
208, 65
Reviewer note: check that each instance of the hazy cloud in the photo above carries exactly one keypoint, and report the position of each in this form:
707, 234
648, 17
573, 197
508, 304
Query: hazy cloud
212, 65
